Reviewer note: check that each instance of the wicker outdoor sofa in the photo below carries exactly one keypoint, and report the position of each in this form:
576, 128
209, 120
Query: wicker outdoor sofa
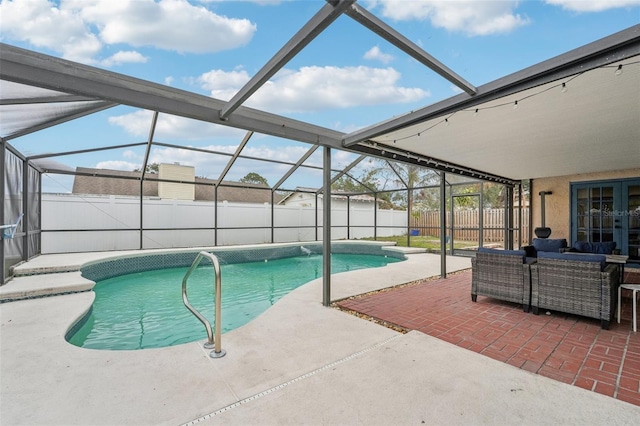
577, 284
501, 274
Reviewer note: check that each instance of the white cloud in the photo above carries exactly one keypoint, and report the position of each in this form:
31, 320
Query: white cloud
343, 159
208, 165
138, 124
118, 165
260, 2
124, 57
287, 153
44, 25
168, 24
78, 29
316, 88
205, 165
376, 54
455, 89
222, 84
593, 5
467, 16
131, 154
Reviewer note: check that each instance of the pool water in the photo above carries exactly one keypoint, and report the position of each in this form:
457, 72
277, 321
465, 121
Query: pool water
145, 310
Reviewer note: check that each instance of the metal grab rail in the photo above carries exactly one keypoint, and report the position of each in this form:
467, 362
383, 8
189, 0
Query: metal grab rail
216, 343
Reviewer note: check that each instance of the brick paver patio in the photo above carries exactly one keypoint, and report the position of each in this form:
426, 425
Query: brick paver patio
563, 347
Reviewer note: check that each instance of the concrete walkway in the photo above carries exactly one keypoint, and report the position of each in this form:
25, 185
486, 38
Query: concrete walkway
298, 363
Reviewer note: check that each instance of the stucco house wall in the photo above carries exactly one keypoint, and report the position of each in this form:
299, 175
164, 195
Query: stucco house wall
558, 204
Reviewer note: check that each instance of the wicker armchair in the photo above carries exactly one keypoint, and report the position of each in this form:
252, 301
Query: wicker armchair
501, 274
576, 284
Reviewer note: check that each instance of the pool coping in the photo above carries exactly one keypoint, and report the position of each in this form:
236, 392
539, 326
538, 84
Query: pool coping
65, 277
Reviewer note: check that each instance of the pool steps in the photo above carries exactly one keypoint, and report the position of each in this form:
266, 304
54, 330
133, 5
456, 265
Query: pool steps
34, 286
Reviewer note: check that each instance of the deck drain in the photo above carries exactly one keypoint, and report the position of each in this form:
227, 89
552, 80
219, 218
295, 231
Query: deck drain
285, 384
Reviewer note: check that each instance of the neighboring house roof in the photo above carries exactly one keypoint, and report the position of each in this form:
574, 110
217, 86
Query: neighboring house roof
89, 182
335, 195
93, 181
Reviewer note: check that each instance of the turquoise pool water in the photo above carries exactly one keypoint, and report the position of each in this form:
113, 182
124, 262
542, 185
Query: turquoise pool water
145, 310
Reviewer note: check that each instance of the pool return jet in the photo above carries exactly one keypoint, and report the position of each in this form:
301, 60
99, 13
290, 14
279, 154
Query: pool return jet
211, 343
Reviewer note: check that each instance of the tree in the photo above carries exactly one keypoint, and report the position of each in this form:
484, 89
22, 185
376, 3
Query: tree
494, 195
152, 168
254, 178
368, 182
364, 183
409, 176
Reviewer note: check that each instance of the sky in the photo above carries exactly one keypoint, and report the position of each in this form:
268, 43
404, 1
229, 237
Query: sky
345, 79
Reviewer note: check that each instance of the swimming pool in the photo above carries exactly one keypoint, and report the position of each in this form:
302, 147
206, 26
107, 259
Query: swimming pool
144, 309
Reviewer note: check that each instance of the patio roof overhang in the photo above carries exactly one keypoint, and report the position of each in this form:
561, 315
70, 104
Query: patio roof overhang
576, 113
593, 126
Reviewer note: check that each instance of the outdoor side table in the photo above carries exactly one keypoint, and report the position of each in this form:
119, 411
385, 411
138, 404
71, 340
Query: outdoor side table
635, 288
620, 260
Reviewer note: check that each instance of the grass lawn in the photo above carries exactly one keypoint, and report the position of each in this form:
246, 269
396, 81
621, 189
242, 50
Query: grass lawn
429, 243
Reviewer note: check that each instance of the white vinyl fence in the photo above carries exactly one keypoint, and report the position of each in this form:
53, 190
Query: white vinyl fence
72, 223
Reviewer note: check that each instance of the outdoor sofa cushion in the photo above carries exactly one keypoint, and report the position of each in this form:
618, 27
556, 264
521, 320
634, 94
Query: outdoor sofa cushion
555, 245
599, 258
598, 248
549, 244
520, 253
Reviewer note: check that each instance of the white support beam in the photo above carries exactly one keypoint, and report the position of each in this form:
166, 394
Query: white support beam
318, 23
401, 42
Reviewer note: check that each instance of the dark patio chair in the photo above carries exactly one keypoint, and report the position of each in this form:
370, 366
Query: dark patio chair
501, 274
580, 284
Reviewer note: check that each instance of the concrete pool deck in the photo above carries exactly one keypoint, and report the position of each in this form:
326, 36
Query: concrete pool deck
298, 363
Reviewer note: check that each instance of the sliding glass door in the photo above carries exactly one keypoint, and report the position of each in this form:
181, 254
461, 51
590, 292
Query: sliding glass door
631, 226
607, 211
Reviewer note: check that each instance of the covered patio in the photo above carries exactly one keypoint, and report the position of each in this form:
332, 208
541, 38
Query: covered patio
567, 348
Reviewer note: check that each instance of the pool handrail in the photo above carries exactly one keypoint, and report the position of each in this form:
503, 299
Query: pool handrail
212, 342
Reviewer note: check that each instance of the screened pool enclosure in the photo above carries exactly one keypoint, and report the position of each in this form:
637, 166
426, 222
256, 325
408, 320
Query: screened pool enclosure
451, 195
113, 210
